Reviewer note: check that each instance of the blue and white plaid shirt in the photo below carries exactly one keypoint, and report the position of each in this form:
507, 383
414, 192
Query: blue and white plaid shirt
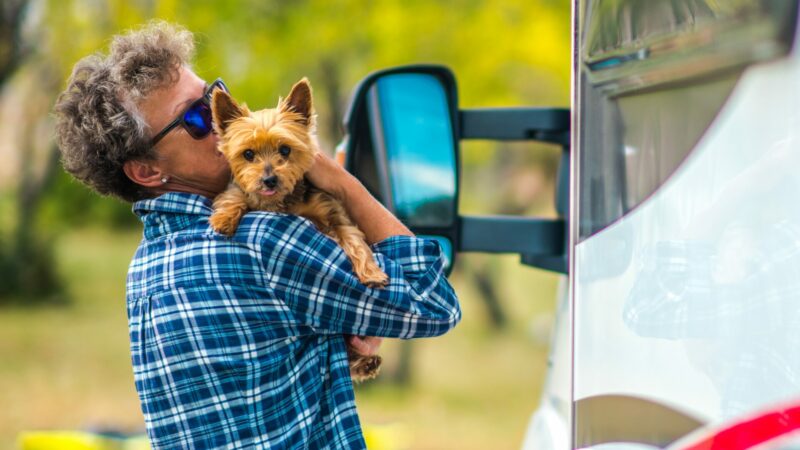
238, 342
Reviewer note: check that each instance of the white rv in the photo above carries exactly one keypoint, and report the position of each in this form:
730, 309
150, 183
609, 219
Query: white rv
679, 231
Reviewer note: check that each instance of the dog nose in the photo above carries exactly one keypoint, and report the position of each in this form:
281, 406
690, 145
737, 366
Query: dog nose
270, 182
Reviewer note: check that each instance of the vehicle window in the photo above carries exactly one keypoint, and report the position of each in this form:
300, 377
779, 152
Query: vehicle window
653, 76
630, 44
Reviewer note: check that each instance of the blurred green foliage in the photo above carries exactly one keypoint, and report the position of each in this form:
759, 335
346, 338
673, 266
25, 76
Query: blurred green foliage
503, 52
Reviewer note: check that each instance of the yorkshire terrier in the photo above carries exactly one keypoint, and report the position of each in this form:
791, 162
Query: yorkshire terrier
269, 152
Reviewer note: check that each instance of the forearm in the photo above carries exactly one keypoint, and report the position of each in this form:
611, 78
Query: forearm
417, 302
369, 214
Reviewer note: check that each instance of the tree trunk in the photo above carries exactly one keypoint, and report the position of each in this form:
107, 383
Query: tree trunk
402, 374
12, 50
485, 276
332, 88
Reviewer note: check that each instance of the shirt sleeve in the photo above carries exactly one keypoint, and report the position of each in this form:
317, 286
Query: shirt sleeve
315, 278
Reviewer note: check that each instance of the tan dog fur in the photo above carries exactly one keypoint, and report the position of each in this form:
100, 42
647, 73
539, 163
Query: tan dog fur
279, 145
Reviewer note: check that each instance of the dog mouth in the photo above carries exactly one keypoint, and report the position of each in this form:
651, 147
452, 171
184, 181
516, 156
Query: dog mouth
267, 192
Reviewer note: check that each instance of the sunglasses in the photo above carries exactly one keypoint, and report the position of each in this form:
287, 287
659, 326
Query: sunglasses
196, 118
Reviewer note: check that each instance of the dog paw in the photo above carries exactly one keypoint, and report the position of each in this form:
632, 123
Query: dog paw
364, 368
222, 226
379, 284
375, 279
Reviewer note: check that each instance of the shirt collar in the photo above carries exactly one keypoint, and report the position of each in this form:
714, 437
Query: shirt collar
171, 212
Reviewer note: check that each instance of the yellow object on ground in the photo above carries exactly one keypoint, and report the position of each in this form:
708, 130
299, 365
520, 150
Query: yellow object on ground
78, 440
377, 437
391, 436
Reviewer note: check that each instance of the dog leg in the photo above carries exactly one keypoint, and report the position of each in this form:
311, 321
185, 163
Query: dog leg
331, 218
229, 207
352, 241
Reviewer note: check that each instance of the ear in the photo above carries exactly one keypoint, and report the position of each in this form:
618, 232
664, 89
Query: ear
143, 173
224, 110
299, 101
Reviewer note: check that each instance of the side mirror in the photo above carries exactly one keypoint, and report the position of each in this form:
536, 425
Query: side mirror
403, 130
402, 144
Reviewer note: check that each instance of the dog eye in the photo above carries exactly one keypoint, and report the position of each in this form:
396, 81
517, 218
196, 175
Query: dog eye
284, 150
249, 155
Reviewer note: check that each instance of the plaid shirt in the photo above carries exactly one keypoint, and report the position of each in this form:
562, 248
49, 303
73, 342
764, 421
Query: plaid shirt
238, 342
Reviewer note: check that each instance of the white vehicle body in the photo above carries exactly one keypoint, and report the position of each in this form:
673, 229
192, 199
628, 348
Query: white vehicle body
681, 312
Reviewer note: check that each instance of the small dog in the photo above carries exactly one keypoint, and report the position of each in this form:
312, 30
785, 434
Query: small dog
269, 152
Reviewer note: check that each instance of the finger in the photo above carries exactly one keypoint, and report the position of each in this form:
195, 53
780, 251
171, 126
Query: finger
374, 344
358, 344
366, 346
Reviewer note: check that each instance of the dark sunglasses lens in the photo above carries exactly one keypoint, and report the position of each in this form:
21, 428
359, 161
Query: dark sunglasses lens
198, 120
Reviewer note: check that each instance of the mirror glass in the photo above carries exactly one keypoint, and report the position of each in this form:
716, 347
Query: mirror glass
409, 116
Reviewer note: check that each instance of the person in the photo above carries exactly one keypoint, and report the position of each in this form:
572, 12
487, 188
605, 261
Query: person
235, 342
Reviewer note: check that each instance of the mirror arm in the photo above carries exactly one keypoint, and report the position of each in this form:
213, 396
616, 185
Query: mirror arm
516, 124
509, 234
556, 263
540, 242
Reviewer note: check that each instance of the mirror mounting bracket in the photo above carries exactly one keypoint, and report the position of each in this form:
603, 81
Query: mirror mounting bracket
510, 234
540, 242
516, 124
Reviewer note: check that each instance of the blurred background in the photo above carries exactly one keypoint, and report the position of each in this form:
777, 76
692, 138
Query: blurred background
64, 251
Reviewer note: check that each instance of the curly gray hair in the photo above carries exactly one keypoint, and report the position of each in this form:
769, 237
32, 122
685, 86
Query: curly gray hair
98, 124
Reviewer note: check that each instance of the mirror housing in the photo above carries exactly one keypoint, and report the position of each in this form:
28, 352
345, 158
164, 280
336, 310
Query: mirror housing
404, 125
401, 142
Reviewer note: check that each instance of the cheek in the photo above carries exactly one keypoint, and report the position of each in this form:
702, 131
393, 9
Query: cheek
192, 153
209, 162
223, 169
183, 162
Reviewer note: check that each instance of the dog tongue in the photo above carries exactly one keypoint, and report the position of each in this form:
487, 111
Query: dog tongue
267, 193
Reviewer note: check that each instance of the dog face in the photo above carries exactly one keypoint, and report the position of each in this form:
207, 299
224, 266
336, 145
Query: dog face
270, 150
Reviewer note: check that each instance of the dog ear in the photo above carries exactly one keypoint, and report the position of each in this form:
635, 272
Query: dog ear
224, 110
299, 101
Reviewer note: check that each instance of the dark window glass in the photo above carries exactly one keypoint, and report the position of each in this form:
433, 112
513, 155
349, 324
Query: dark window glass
633, 43
653, 75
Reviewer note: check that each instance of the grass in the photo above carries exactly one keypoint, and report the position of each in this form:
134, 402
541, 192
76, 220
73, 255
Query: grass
68, 367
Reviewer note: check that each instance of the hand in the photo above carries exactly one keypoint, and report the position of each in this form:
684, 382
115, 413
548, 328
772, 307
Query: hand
372, 218
364, 345
328, 175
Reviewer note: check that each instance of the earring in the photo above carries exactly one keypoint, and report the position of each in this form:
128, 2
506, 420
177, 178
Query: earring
164, 180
